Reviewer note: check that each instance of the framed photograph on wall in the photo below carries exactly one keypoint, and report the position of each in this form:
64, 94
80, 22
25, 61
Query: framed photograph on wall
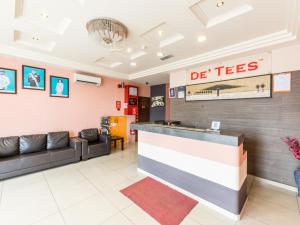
8, 81
242, 88
34, 78
59, 87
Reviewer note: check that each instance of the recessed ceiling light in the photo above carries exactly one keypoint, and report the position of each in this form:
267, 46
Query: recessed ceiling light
160, 54
44, 15
220, 4
201, 38
133, 64
35, 38
160, 33
129, 50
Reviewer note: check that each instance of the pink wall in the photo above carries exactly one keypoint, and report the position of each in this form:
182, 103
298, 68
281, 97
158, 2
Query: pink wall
33, 111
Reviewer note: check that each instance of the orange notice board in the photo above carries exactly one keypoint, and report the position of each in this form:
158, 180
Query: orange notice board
119, 126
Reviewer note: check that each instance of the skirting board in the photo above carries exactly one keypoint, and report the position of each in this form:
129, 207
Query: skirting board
273, 183
230, 215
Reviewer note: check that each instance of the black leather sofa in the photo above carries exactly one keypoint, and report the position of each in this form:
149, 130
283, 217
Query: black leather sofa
31, 153
94, 144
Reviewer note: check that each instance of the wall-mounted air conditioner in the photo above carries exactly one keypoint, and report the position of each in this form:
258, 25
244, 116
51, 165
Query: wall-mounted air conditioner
87, 79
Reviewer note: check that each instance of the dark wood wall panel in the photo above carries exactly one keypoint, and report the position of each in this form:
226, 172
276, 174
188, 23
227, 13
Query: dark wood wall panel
263, 121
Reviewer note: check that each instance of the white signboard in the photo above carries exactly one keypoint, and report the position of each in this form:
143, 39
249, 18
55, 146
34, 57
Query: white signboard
234, 69
282, 82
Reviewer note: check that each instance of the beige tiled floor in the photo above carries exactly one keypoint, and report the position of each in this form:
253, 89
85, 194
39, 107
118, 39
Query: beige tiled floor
87, 193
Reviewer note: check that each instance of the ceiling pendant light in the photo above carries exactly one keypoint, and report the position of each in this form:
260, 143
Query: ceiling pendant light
109, 32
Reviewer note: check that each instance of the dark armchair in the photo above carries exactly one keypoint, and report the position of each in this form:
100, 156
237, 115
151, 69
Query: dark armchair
93, 143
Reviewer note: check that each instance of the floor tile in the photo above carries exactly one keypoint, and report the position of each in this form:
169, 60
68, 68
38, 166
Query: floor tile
118, 219
68, 195
1, 185
137, 216
92, 211
28, 192
271, 214
63, 176
284, 198
55, 219
26, 213
21, 181
188, 221
246, 220
207, 216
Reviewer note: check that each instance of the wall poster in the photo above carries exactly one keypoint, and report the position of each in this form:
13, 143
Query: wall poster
243, 88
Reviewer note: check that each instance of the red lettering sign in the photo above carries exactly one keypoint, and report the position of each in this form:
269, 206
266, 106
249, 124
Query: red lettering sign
228, 70
194, 76
252, 66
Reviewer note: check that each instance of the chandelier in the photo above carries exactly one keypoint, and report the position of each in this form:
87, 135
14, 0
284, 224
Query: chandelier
108, 31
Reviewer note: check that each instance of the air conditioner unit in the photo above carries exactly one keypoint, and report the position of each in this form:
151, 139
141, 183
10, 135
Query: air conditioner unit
87, 79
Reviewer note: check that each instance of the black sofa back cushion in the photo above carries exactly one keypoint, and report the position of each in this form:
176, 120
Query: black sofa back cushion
91, 135
57, 140
33, 143
9, 146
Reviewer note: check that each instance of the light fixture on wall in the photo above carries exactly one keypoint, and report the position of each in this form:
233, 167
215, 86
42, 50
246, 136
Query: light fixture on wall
109, 32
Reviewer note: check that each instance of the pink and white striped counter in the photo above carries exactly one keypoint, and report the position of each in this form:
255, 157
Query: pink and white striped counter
210, 167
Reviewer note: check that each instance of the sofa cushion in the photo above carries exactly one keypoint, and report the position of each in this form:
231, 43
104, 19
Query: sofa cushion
32, 143
34, 159
57, 140
61, 154
10, 164
9, 146
90, 135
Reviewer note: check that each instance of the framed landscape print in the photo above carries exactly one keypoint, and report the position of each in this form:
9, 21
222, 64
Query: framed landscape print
250, 87
59, 87
8, 81
34, 78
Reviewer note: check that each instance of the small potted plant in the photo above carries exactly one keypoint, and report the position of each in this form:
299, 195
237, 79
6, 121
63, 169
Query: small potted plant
294, 147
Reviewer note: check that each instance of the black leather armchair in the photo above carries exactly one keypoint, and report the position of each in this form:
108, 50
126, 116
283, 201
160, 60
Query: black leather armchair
94, 144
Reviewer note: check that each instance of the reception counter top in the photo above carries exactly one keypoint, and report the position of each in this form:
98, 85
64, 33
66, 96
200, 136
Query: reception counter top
223, 137
208, 166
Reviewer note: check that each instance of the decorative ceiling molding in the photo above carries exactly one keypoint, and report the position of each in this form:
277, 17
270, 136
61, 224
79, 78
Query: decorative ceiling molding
284, 36
51, 60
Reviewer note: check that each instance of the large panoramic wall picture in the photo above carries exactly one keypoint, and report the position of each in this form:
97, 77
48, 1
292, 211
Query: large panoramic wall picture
251, 87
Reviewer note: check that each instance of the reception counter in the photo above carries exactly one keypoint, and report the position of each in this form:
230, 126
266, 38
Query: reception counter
208, 166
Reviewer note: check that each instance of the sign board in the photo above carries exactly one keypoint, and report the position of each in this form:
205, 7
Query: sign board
282, 82
234, 69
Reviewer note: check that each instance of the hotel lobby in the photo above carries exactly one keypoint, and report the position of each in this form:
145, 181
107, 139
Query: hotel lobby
139, 112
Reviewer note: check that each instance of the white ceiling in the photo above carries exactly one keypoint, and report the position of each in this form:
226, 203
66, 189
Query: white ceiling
58, 27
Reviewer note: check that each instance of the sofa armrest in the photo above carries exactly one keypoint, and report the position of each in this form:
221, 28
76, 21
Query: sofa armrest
84, 148
77, 145
105, 138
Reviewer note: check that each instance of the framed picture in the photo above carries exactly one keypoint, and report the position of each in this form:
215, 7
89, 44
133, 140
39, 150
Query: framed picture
243, 88
8, 81
157, 101
59, 87
172, 93
34, 78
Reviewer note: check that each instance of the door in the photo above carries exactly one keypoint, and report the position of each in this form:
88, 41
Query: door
144, 109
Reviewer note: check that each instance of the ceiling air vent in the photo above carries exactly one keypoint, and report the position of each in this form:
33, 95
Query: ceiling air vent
166, 57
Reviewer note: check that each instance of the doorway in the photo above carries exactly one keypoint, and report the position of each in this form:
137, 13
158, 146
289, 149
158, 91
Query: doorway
144, 109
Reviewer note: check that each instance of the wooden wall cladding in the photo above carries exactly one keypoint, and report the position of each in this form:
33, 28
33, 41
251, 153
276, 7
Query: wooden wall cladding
263, 121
